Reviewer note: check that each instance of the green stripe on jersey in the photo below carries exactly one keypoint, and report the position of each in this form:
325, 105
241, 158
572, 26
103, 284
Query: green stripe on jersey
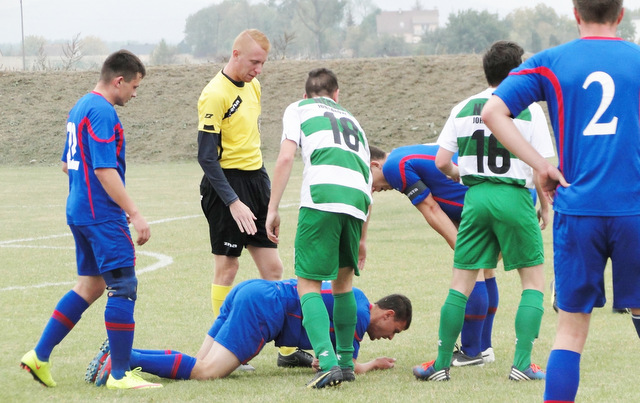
315, 124
472, 108
470, 180
322, 100
340, 158
330, 193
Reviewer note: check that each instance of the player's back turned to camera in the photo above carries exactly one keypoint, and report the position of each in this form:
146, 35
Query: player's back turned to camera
497, 202
591, 88
334, 204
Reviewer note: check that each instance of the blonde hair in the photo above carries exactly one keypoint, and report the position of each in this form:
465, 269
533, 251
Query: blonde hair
248, 36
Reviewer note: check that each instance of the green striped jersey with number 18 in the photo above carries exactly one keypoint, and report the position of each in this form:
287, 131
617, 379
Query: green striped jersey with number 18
480, 156
335, 153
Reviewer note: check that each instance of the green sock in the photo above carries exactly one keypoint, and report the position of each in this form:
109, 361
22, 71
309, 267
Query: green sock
528, 319
451, 320
315, 320
344, 324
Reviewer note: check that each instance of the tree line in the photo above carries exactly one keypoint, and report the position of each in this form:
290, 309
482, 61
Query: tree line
321, 29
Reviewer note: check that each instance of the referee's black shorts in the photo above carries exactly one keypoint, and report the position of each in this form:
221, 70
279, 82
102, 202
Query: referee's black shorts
253, 189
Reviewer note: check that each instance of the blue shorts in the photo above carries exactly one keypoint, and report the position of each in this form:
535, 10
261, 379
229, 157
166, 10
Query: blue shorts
251, 316
103, 247
582, 245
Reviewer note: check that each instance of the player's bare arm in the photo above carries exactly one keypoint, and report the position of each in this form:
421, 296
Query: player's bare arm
497, 117
362, 247
444, 162
361, 368
438, 220
112, 184
544, 210
281, 174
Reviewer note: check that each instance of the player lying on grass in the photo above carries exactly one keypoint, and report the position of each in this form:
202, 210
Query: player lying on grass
254, 313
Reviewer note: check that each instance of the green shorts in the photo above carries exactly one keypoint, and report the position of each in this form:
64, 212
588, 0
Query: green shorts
326, 242
498, 218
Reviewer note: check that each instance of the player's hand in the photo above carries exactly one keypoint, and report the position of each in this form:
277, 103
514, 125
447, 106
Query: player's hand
362, 255
543, 217
315, 364
142, 228
384, 363
549, 179
244, 217
272, 226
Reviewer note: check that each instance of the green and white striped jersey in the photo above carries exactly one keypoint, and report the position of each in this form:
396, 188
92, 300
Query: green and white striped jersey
480, 156
335, 152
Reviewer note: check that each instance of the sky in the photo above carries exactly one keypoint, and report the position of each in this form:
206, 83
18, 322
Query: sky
149, 21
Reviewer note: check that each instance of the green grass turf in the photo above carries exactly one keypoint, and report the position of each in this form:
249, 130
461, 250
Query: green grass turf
173, 308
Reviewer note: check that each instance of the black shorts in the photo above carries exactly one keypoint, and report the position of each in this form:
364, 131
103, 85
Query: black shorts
253, 189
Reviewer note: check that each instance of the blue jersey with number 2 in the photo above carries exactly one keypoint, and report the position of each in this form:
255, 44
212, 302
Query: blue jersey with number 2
594, 107
95, 139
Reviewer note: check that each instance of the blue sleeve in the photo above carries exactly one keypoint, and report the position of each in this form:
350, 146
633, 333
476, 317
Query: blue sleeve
403, 177
101, 136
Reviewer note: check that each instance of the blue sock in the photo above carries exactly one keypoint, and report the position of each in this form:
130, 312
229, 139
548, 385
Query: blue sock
156, 352
65, 316
563, 376
494, 299
118, 318
636, 322
173, 366
474, 316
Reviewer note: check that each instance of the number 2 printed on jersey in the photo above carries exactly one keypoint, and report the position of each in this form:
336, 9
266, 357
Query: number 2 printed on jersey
72, 139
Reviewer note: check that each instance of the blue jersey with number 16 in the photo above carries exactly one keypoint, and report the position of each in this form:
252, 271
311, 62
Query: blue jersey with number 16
592, 90
95, 139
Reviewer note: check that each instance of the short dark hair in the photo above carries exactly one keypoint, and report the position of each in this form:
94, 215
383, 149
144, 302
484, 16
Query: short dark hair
500, 59
377, 153
399, 304
321, 82
122, 63
598, 11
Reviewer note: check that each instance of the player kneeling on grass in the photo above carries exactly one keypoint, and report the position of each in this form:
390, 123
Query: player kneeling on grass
254, 313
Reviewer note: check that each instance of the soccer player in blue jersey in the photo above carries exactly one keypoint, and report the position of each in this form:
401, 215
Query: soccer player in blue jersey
591, 87
254, 313
498, 217
99, 210
412, 171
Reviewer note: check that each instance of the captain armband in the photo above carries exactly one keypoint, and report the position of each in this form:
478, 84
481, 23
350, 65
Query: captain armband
414, 190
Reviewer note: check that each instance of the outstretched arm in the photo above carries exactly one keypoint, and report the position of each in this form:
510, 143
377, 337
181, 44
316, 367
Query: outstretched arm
378, 363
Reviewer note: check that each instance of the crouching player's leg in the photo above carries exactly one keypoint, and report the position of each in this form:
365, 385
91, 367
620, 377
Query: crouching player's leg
250, 317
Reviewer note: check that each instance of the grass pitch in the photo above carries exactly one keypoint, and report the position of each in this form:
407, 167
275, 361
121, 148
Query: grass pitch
37, 266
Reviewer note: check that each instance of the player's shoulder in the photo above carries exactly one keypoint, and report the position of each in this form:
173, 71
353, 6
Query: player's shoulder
93, 104
471, 105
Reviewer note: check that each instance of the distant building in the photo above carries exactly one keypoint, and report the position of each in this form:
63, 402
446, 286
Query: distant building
409, 25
